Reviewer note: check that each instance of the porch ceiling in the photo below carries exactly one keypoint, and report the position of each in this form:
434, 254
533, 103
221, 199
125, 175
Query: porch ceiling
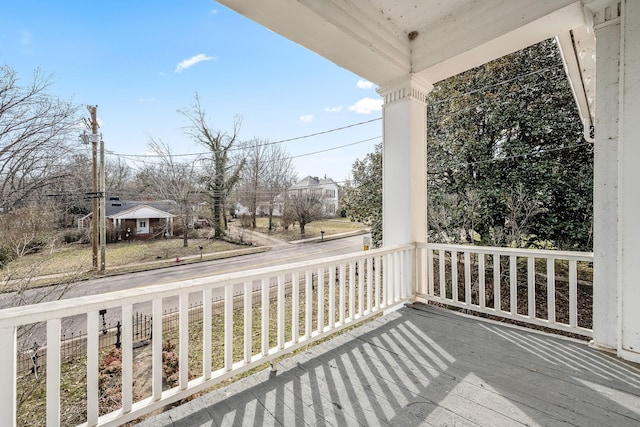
450, 36
384, 40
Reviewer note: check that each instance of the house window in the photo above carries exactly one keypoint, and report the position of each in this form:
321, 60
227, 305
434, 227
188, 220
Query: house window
330, 193
143, 224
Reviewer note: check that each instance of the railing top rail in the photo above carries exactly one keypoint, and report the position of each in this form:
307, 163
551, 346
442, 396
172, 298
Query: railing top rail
16, 316
538, 253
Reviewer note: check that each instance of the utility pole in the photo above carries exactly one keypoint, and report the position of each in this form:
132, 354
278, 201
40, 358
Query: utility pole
94, 179
98, 226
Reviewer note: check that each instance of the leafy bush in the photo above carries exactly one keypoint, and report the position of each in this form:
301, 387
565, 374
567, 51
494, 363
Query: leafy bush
6, 256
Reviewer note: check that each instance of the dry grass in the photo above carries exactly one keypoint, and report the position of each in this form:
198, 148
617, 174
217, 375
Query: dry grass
75, 260
313, 229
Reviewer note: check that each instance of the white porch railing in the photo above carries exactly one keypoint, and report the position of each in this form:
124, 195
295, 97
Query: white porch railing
312, 300
538, 287
272, 311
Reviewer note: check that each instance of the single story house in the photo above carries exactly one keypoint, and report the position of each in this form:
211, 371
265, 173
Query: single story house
127, 218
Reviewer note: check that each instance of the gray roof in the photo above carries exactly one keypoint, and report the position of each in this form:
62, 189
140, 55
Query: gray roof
114, 207
312, 181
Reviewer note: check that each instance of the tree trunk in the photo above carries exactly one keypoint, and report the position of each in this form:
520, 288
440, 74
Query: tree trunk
185, 226
217, 225
185, 232
270, 216
255, 207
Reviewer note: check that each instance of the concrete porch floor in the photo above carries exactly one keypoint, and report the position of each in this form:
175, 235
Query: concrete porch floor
429, 367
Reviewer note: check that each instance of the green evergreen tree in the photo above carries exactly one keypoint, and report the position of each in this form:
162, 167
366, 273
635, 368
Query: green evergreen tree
362, 201
507, 163
506, 159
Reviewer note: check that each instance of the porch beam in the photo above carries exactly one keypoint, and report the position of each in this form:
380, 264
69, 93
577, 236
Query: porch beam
443, 51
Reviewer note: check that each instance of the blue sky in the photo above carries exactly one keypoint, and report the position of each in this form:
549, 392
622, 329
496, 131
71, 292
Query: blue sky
141, 61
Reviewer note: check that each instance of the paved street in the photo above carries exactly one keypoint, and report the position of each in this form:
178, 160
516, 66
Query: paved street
279, 254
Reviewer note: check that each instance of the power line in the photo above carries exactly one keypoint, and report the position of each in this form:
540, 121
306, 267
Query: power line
297, 138
145, 162
515, 156
500, 83
496, 103
335, 148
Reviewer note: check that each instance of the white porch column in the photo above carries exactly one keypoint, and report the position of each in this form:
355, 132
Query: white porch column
616, 177
404, 167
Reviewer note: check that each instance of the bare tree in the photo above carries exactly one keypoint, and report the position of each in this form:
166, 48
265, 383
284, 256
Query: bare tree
118, 175
34, 130
304, 207
280, 175
253, 175
268, 172
223, 175
522, 210
28, 229
174, 180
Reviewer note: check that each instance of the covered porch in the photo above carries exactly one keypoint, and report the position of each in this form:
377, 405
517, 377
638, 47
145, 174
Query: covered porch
407, 366
406, 46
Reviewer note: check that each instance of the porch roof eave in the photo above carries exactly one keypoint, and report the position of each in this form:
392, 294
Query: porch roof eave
452, 37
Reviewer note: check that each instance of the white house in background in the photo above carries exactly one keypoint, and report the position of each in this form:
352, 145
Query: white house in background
142, 219
326, 189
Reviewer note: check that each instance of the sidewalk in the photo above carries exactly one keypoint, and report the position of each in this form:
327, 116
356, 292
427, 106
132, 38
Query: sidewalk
263, 239
331, 237
255, 237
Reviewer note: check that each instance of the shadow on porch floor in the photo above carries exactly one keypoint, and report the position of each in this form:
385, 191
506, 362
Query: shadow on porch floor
429, 366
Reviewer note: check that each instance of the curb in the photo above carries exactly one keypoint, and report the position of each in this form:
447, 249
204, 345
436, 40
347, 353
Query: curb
140, 267
331, 237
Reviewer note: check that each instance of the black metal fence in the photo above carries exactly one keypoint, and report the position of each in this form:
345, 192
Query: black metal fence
74, 346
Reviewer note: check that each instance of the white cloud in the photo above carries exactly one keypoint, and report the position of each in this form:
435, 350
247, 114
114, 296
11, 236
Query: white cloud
366, 106
146, 100
214, 11
364, 84
306, 118
333, 109
25, 37
187, 63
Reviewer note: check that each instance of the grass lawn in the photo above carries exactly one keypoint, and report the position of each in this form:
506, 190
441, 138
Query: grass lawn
313, 229
75, 259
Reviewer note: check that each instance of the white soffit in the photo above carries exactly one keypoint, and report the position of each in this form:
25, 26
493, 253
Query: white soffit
371, 37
